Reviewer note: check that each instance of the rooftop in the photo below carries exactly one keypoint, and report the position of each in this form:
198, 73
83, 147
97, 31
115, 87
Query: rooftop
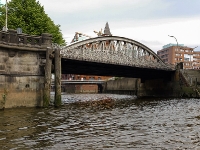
170, 44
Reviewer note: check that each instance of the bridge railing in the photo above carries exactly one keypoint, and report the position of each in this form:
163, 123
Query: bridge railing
12, 38
115, 50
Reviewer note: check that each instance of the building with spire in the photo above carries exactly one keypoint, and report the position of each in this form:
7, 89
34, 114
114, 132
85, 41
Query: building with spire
107, 30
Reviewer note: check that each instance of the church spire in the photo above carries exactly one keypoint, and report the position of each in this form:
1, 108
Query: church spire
107, 30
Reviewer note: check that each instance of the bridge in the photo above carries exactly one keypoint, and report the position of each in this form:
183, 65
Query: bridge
113, 56
26, 64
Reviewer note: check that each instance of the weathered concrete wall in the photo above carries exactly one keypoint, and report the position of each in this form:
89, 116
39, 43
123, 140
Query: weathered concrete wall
158, 88
22, 72
121, 86
191, 76
178, 86
21, 78
127, 84
80, 88
86, 88
70, 88
190, 82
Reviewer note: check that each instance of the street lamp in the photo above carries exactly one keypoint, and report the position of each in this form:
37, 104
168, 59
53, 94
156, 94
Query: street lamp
6, 16
175, 39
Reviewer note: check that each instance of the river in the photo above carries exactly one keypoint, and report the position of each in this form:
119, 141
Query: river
87, 122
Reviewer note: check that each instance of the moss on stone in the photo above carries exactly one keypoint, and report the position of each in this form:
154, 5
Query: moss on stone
46, 100
57, 101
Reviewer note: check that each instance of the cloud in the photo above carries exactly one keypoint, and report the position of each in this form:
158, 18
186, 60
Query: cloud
76, 6
157, 33
147, 21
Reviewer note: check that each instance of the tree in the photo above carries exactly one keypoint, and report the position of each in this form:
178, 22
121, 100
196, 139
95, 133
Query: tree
31, 17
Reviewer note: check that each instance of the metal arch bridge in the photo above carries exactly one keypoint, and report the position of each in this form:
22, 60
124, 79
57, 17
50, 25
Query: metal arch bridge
115, 50
114, 56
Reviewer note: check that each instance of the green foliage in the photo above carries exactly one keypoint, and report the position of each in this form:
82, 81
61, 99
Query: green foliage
31, 17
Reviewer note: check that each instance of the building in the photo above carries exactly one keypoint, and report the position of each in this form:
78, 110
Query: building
196, 60
173, 54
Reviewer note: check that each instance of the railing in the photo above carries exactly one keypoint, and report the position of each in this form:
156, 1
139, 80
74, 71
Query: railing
80, 82
12, 38
115, 50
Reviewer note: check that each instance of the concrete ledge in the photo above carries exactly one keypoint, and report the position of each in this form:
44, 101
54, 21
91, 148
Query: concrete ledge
22, 47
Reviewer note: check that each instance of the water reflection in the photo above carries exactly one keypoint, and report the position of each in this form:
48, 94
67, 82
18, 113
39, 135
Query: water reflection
122, 122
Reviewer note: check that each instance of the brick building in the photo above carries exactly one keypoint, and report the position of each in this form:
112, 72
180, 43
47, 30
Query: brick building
172, 54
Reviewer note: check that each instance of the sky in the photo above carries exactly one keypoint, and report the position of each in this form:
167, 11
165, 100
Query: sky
146, 21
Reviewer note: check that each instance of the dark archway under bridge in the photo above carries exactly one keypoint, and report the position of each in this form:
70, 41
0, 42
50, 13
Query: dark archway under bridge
70, 66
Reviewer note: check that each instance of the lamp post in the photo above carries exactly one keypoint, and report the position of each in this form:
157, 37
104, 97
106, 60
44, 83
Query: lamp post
175, 39
6, 25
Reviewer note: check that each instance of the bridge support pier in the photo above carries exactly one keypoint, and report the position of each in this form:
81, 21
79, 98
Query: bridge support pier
47, 80
57, 100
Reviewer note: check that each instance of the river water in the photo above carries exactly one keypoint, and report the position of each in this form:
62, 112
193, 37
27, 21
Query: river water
118, 122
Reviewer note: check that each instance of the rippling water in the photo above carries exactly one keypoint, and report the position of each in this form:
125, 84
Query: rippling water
87, 122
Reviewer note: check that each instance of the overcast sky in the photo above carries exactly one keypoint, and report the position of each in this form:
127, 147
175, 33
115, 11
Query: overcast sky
146, 21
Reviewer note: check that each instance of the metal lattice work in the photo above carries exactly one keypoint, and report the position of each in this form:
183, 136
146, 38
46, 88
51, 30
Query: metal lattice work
114, 50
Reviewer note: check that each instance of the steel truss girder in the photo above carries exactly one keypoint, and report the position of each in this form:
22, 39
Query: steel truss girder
115, 50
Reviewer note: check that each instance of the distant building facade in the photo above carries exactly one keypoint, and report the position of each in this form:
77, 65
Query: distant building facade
172, 54
83, 77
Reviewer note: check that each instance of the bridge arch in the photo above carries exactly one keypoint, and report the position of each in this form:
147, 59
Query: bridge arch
114, 50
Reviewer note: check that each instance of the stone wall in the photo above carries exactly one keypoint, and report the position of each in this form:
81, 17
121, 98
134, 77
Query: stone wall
22, 61
87, 88
80, 88
121, 86
190, 82
134, 86
158, 88
21, 78
183, 83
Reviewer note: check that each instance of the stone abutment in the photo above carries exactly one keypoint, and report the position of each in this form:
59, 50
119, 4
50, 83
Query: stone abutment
25, 69
182, 83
